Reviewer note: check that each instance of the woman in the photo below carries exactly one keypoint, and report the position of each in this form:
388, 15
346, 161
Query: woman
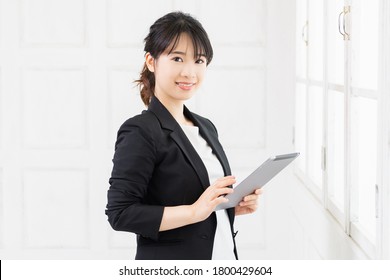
166, 157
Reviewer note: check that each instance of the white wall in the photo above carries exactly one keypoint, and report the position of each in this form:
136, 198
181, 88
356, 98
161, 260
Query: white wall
66, 73
66, 68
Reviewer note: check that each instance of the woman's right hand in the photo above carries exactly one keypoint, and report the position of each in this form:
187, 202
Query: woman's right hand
211, 197
200, 210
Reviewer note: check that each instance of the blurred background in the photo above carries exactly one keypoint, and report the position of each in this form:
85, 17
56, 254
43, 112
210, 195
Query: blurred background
308, 76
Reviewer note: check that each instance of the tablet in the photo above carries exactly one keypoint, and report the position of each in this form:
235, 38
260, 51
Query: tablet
261, 176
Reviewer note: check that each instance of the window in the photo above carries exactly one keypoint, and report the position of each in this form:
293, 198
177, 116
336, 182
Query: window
337, 112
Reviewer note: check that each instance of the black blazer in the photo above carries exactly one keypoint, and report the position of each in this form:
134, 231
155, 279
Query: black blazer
155, 166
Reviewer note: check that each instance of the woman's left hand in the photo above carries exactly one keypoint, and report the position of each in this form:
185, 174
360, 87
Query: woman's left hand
248, 204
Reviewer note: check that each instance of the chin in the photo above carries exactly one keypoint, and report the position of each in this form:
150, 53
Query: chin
185, 96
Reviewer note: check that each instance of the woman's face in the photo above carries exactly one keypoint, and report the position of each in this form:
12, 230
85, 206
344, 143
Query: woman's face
177, 74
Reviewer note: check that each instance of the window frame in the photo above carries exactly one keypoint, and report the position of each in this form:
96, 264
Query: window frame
381, 247
383, 184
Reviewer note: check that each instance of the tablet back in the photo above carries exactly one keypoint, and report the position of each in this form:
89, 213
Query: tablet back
261, 176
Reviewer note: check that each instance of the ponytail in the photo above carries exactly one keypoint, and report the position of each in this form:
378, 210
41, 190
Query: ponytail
146, 84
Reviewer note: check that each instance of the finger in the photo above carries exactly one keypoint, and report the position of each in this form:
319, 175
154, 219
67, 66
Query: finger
248, 203
251, 197
226, 178
249, 208
224, 182
219, 200
221, 191
212, 193
258, 191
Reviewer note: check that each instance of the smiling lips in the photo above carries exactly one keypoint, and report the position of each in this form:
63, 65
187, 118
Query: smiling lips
185, 86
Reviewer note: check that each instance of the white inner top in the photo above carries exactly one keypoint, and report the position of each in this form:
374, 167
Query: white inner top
223, 241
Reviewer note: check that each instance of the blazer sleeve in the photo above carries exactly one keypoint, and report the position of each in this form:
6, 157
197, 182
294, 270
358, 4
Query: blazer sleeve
133, 164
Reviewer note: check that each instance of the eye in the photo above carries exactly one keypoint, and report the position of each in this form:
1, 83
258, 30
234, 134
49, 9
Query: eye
200, 61
177, 59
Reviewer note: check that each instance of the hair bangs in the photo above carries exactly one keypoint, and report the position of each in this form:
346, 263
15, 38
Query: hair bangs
201, 46
165, 35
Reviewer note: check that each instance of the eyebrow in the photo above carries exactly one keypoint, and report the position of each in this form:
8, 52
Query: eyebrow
183, 53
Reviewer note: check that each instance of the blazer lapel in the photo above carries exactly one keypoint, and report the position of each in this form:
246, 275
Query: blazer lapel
177, 134
211, 139
181, 140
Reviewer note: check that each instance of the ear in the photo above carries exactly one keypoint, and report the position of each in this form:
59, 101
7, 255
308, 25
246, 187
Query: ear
149, 61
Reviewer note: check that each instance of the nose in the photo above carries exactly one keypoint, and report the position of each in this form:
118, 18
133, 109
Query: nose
188, 70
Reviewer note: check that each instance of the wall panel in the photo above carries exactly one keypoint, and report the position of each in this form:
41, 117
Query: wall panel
55, 208
53, 23
54, 108
128, 24
190, 6
123, 97
241, 120
68, 68
239, 22
296, 239
123, 240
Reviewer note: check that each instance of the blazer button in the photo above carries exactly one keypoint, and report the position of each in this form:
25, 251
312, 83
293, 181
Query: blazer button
204, 236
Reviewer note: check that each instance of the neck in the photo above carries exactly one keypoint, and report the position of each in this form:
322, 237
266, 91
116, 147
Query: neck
176, 108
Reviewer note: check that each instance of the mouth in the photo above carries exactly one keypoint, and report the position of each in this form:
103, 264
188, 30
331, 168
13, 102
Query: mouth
185, 86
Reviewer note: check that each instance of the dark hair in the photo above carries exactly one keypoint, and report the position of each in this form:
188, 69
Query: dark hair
162, 33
